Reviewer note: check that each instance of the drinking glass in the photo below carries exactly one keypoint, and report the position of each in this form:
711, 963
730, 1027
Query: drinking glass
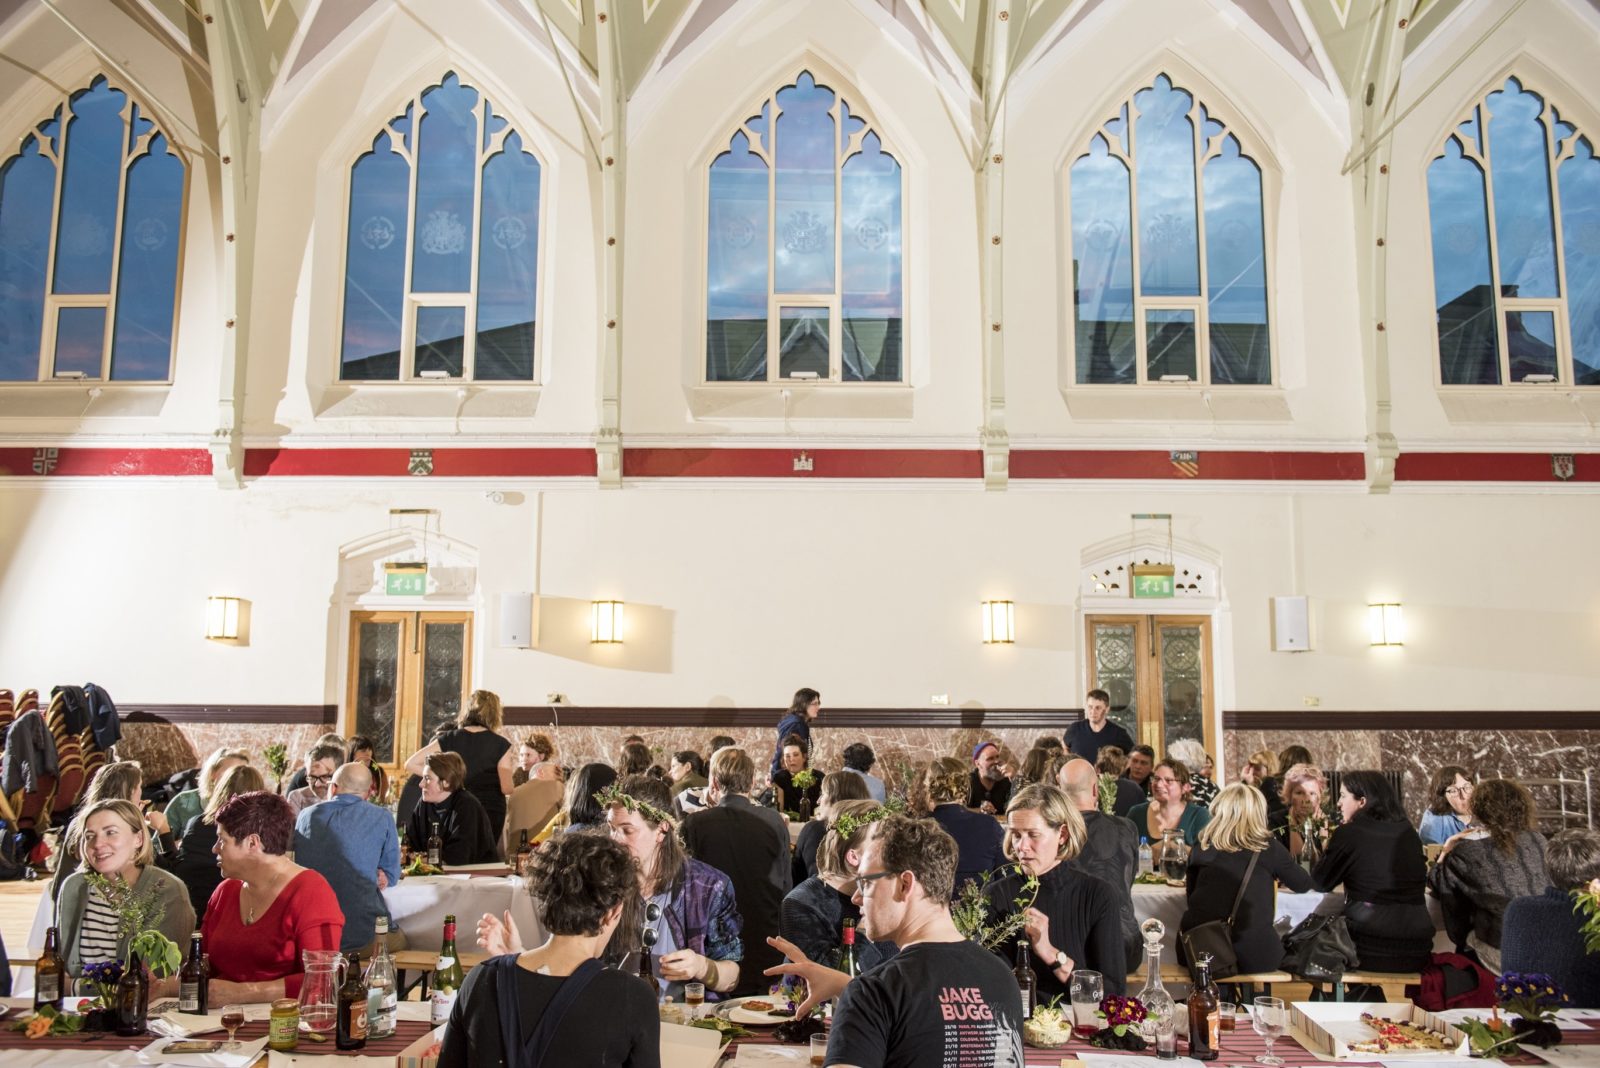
694, 995
1269, 1021
232, 1019
1088, 989
819, 1050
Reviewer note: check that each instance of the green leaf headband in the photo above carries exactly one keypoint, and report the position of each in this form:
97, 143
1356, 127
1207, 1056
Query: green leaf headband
848, 824
613, 795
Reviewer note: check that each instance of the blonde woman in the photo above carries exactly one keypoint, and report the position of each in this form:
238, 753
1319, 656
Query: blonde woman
121, 780
190, 803
196, 864
489, 757
815, 910
978, 836
1237, 832
837, 787
1075, 921
1304, 787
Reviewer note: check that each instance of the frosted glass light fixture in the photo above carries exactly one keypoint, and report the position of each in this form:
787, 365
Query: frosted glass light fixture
999, 623
605, 622
222, 618
1386, 624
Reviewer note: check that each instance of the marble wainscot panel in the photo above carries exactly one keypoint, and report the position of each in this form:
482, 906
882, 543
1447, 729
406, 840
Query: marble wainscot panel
163, 749
1525, 755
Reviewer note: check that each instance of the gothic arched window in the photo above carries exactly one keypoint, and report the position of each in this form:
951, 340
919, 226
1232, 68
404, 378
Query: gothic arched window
91, 216
1187, 301
803, 265
442, 246
1514, 205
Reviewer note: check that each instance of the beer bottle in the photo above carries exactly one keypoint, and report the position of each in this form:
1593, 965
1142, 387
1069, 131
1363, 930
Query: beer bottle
446, 975
1204, 1005
194, 979
524, 854
351, 1030
435, 845
1027, 982
50, 973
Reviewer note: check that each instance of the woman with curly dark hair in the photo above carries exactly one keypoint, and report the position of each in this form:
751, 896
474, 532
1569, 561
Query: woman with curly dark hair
518, 1009
1482, 868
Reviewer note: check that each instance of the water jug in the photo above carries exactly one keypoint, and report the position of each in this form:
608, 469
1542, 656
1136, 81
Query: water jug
319, 993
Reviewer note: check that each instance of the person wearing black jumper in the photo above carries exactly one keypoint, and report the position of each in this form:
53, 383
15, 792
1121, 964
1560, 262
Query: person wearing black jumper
1074, 922
1237, 832
1544, 932
806, 706
1094, 731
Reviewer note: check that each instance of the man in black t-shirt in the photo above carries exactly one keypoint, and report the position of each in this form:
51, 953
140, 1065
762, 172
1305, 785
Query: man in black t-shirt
1085, 737
943, 999
989, 790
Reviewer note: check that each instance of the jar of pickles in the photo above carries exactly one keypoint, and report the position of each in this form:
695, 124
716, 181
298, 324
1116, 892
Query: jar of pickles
283, 1026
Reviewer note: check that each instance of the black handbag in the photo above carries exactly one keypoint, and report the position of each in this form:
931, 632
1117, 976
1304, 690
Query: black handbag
1214, 938
1320, 949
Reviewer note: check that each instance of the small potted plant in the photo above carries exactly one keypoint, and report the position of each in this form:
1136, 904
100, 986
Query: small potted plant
1531, 1000
277, 758
1122, 1015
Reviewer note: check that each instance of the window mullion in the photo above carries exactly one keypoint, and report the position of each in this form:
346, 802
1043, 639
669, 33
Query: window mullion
836, 318
1130, 142
408, 325
1564, 369
47, 343
469, 328
773, 323
116, 248
1202, 322
1494, 244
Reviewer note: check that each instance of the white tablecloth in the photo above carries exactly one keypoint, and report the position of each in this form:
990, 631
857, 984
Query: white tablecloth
419, 903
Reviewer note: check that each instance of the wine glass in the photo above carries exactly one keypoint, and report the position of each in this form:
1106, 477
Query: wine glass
1269, 1021
232, 1019
1088, 989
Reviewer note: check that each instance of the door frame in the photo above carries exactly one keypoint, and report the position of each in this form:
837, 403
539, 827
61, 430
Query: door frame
407, 711
1148, 671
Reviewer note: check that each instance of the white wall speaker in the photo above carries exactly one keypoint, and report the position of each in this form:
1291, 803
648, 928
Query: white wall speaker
518, 628
1291, 625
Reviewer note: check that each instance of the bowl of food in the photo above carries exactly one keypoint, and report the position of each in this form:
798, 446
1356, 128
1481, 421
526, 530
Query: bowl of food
1048, 1028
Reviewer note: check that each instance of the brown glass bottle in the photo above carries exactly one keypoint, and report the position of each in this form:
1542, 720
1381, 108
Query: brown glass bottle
523, 855
133, 998
1027, 982
435, 845
50, 973
351, 1028
194, 979
1203, 1012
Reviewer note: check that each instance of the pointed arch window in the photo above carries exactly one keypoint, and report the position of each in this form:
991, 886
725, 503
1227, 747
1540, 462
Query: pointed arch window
804, 242
91, 221
442, 246
1514, 206
1187, 300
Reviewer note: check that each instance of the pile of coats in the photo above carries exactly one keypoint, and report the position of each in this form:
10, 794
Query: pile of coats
49, 758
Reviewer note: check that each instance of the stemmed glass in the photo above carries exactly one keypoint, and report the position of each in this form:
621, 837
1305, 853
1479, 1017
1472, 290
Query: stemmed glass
232, 1019
1269, 1021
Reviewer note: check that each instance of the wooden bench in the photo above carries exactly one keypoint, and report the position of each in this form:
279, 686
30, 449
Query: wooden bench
1386, 980
423, 961
1178, 974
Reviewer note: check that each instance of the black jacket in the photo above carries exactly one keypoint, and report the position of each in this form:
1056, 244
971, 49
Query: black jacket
1213, 883
464, 826
743, 843
1111, 853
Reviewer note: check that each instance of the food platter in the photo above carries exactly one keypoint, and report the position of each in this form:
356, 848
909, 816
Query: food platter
1391, 1031
755, 1011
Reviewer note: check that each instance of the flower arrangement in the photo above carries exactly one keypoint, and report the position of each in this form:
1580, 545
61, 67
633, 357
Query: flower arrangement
102, 978
1122, 1015
1106, 793
847, 825
47, 1021
804, 779
613, 796
1532, 1000
971, 909
1587, 902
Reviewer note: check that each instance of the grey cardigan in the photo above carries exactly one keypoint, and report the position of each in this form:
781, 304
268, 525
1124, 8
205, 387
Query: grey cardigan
1475, 882
177, 917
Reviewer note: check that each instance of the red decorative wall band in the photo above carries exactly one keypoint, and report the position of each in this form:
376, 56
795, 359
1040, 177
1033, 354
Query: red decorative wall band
802, 463
1207, 465
396, 463
53, 462
1496, 467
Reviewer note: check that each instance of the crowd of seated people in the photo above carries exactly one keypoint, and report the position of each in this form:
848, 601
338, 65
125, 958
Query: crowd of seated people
694, 864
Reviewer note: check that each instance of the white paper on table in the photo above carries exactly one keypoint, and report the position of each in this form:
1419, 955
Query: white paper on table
1113, 1060
683, 1046
245, 1055
415, 1012
186, 1024
772, 1055
260, 1012
72, 1058
275, 1059
1581, 1014
1567, 1056
1452, 1062
1563, 1021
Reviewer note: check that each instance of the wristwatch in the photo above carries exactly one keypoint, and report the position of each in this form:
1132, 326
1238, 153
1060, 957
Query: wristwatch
1062, 961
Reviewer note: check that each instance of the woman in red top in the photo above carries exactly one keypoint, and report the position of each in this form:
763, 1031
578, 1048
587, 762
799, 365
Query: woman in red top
268, 908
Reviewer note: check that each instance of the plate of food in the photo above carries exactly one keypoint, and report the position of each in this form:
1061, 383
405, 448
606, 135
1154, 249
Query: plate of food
760, 1011
1048, 1028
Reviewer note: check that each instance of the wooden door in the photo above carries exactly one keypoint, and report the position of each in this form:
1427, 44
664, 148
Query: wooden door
410, 672
1157, 670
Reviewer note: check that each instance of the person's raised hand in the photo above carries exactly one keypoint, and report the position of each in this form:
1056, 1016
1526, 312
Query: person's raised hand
498, 936
822, 982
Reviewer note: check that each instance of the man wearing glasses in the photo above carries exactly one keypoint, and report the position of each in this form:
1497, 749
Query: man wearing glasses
943, 999
321, 762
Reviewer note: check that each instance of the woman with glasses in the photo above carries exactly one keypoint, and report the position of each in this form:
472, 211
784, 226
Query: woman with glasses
1449, 805
556, 1002
1169, 808
1075, 921
696, 926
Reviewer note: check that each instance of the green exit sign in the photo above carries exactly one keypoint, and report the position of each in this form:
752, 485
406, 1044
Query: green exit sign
1152, 585
411, 582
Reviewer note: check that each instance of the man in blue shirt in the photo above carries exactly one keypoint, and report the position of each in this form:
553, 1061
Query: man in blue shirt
859, 758
803, 709
353, 844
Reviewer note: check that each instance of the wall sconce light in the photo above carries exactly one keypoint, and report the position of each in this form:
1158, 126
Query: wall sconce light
222, 618
1386, 624
999, 623
605, 622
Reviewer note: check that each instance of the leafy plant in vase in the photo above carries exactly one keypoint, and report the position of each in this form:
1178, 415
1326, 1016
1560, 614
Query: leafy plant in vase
277, 757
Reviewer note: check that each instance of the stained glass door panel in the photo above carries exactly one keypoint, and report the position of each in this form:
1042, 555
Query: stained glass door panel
444, 674
410, 673
1157, 670
1116, 669
1181, 663
376, 687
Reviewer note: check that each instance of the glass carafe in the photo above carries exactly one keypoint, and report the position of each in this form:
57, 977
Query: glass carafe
1161, 1020
319, 993
1174, 857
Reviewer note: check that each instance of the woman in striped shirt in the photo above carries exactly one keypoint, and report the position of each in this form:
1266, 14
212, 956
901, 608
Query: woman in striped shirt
97, 924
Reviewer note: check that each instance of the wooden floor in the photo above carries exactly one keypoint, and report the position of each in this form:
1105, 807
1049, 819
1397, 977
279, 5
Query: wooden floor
18, 900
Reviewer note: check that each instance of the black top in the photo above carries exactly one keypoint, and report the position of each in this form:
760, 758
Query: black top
1377, 860
790, 801
196, 865
468, 838
792, 723
612, 1023
813, 919
1214, 882
739, 841
1086, 742
1085, 924
1543, 933
997, 795
935, 1003
978, 842
481, 752
1111, 854
1129, 793
805, 850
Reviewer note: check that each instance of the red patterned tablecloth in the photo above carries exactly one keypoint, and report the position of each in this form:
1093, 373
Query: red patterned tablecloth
405, 1034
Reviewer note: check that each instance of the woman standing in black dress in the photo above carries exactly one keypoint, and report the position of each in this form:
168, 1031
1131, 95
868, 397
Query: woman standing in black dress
489, 758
